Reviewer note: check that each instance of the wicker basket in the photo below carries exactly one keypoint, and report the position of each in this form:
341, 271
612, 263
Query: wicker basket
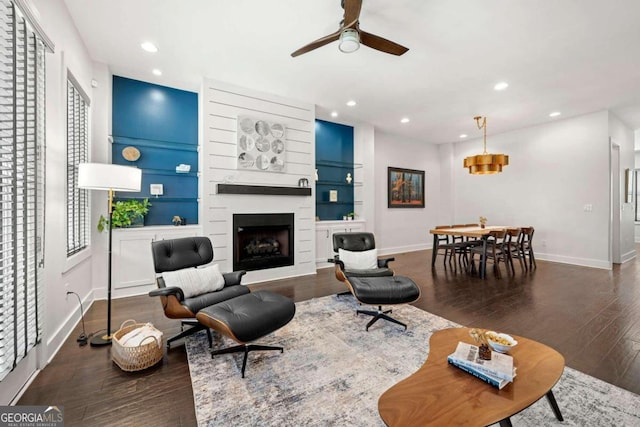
130, 359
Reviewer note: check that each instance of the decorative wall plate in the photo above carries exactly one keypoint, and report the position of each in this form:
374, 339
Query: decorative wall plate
131, 153
261, 145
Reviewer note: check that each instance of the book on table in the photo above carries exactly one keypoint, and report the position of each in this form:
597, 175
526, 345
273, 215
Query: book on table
499, 371
490, 379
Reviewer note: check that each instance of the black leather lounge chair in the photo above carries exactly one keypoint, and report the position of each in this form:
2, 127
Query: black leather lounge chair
371, 281
177, 254
232, 310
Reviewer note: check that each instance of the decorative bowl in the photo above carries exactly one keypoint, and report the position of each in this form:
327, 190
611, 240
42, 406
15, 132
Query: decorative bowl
501, 343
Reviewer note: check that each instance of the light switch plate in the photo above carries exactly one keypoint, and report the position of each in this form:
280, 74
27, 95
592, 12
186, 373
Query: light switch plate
156, 189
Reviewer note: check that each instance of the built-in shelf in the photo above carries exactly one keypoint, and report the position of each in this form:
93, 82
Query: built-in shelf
264, 190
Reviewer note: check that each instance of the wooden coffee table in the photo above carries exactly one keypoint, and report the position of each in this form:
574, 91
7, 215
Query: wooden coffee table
441, 394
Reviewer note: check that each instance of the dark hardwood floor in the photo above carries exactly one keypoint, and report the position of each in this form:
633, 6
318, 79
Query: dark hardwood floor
591, 316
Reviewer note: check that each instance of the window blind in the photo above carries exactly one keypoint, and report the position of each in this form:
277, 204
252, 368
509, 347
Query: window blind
22, 69
77, 152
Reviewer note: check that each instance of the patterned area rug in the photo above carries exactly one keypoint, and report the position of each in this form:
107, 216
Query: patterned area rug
332, 372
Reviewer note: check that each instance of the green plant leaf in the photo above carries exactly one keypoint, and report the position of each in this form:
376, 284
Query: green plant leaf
125, 212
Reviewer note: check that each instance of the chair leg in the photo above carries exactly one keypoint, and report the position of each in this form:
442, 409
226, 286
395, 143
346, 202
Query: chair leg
380, 314
532, 259
245, 348
195, 327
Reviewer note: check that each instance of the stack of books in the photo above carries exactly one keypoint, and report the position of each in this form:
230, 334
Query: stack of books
499, 371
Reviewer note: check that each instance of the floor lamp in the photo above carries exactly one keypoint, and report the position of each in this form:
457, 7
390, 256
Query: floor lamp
108, 177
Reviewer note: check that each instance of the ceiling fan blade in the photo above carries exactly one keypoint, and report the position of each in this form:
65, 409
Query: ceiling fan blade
351, 11
381, 44
317, 43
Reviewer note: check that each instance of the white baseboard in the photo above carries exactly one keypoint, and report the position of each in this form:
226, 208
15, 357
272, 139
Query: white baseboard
57, 339
400, 249
584, 262
628, 256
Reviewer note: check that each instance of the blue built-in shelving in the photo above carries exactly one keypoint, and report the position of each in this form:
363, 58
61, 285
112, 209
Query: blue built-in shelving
334, 160
162, 123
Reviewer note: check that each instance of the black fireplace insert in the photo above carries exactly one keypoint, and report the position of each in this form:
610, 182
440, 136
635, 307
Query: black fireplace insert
262, 241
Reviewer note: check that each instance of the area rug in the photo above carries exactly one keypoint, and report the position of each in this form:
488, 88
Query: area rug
332, 373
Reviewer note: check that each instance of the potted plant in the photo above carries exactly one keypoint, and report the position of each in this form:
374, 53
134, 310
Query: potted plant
351, 215
126, 213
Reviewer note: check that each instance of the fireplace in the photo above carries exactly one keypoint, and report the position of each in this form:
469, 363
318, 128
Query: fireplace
262, 241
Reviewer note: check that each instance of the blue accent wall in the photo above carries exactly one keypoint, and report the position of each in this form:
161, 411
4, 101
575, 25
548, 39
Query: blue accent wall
162, 123
334, 159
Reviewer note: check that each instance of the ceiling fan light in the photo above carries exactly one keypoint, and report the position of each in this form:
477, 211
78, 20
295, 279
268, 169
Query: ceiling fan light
349, 41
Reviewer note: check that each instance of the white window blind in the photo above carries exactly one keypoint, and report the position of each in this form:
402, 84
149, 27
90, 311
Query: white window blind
77, 152
22, 97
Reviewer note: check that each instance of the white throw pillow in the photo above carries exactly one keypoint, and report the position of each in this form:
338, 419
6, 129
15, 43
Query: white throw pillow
195, 281
362, 260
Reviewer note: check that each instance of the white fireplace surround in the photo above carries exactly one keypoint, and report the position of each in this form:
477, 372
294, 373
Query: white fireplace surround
222, 104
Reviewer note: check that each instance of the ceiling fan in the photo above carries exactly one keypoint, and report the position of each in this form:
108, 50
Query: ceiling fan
351, 36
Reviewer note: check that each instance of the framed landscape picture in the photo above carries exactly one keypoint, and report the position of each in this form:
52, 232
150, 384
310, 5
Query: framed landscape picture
406, 188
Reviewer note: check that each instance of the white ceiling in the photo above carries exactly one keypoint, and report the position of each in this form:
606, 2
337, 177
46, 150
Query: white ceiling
573, 56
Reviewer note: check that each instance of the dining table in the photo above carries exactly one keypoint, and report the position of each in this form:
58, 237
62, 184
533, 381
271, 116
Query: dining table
478, 232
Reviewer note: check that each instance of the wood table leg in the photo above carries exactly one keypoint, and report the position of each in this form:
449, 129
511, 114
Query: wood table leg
435, 251
554, 405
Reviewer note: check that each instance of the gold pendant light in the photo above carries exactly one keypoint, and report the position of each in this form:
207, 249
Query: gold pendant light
483, 164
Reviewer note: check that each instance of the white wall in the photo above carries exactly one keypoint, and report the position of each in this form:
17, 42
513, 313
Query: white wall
397, 229
59, 313
554, 171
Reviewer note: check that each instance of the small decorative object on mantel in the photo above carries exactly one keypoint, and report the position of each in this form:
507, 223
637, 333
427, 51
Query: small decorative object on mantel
483, 221
176, 220
261, 145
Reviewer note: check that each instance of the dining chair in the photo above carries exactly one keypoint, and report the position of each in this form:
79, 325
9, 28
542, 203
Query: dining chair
460, 249
527, 246
442, 243
495, 251
514, 249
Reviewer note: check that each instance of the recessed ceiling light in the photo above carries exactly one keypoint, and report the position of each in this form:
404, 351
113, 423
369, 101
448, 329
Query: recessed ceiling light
464, 135
334, 114
156, 72
149, 47
351, 103
404, 120
501, 86
555, 114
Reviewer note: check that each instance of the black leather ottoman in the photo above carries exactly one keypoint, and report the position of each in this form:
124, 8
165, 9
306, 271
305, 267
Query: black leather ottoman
246, 318
383, 291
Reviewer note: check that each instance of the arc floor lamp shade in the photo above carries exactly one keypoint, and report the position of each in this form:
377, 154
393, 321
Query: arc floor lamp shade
107, 177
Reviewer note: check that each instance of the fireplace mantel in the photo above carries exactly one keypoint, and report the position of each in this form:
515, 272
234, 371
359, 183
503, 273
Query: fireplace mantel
265, 190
